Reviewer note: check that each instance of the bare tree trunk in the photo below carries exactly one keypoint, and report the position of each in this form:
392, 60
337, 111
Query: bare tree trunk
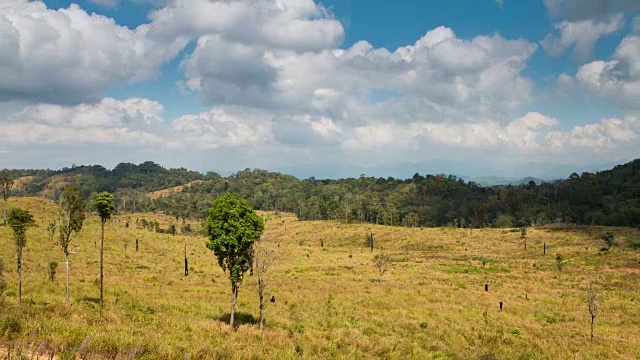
19, 275
592, 323
234, 298
261, 293
101, 265
4, 211
66, 257
186, 262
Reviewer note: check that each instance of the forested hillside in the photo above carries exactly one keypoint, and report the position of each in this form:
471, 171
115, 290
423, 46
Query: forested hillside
606, 198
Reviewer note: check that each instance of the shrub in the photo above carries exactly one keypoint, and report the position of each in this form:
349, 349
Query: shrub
609, 239
381, 261
52, 270
560, 262
504, 221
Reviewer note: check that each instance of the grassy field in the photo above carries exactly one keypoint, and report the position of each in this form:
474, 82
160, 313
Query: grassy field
330, 302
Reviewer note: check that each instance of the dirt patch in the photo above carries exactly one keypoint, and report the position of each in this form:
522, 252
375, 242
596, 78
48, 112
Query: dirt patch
22, 182
171, 190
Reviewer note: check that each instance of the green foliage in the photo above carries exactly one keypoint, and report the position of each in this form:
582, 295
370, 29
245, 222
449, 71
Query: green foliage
516, 332
104, 205
20, 220
6, 182
186, 228
72, 206
605, 198
3, 283
233, 226
504, 221
523, 232
172, 229
609, 239
52, 270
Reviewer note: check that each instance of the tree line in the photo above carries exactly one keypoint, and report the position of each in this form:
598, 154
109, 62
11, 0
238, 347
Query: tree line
609, 197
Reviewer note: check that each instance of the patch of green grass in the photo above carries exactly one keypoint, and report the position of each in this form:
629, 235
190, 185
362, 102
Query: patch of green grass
472, 269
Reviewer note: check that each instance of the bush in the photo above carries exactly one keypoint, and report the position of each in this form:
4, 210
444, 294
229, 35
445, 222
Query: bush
609, 240
52, 270
504, 221
560, 262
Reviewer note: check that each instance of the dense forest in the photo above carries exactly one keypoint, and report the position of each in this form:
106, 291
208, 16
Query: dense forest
609, 197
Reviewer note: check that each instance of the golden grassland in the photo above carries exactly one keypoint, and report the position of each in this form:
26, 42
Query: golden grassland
430, 304
171, 190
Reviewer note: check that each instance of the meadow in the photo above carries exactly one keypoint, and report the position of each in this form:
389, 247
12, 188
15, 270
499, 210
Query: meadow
330, 300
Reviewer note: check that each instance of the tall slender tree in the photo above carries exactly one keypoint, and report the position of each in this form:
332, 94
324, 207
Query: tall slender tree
6, 183
72, 206
20, 220
233, 226
104, 205
264, 256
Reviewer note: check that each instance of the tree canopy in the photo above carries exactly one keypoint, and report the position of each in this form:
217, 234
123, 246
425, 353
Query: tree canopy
20, 220
104, 205
233, 226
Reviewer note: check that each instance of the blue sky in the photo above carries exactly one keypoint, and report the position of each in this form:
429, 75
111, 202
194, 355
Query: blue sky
288, 84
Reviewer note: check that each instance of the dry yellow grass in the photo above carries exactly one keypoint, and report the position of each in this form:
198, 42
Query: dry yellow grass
171, 190
330, 303
22, 182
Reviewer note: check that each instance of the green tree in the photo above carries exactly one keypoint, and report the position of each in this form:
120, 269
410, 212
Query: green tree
6, 183
3, 284
233, 226
20, 220
72, 206
104, 205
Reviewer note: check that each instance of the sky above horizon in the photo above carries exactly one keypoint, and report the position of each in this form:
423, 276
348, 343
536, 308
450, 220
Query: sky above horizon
273, 84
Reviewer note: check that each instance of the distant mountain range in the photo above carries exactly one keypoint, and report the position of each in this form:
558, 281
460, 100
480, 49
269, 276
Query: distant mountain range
483, 174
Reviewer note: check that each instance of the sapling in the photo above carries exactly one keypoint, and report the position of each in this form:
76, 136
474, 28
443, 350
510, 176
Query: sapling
592, 298
381, 262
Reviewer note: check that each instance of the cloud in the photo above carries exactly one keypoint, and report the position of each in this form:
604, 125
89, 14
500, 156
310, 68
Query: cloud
616, 80
609, 133
132, 121
522, 133
573, 10
580, 35
136, 129
300, 25
221, 127
69, 56
533, 132
440, 74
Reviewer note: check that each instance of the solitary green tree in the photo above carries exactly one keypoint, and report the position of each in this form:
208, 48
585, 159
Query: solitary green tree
72, 207
6, 183
233, 226
104, 205
20, 220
